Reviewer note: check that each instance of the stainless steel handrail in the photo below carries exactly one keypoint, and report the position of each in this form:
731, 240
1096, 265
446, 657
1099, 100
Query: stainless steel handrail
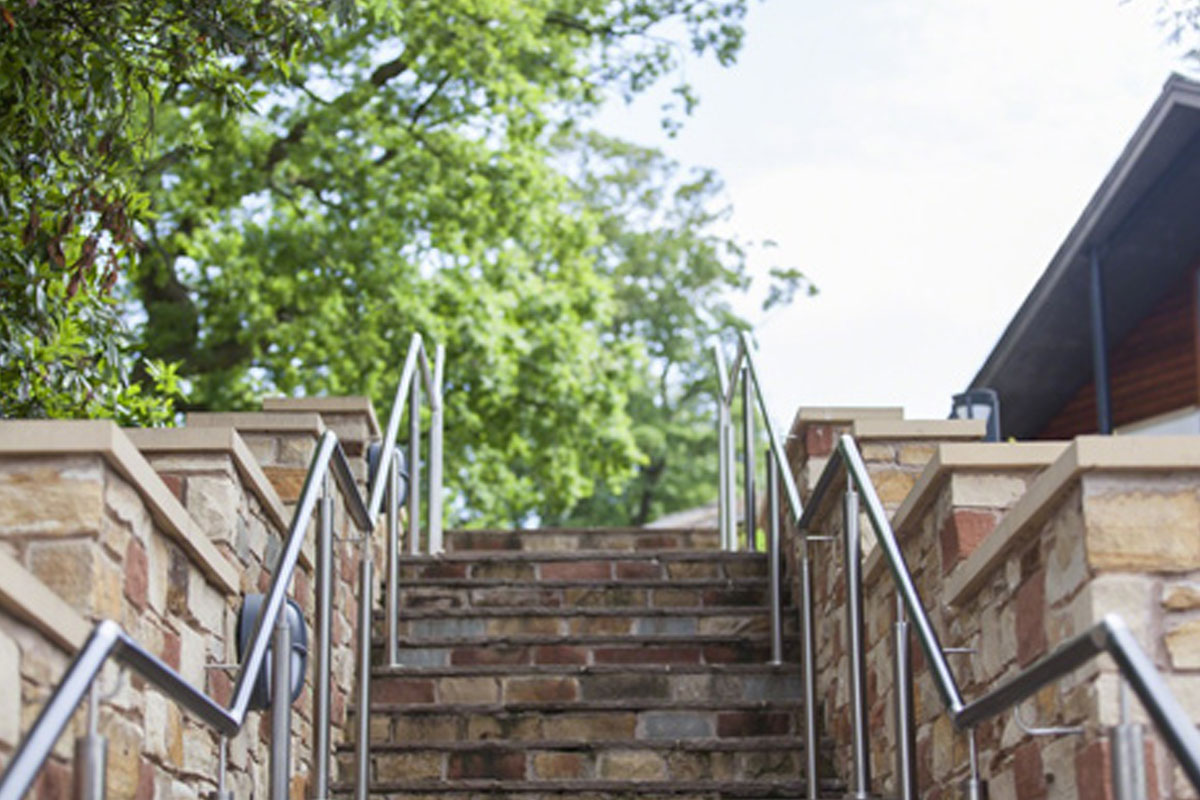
409, 392
109, 640
1110, 635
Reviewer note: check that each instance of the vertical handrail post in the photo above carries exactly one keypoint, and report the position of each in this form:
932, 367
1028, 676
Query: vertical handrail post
362, 741
436, 424
906, 738
852, 549
1128, 748
809, 657
774, 560
281, 708
324, 635
724, 510
748, 456
223, 792
392, 611
91, 754
414, 467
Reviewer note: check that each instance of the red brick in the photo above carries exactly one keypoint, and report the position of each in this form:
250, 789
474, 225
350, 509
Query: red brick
962, 532
1028, 774
647, 655
475, 656
220, 687
445, 569
337, 706
577, 570
752, 723
54, 783
489, 763
639, 570
177, 485
137, 580
559, 654
818, 440
1031, 618
145, 787
659, 542
402, 690
170, 652
1092, 771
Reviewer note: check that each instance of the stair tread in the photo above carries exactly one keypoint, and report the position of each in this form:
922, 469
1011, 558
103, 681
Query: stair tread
737, 670
757, 582
582, 555
789, 787
647, 640
709, 743
585, 706
580, 611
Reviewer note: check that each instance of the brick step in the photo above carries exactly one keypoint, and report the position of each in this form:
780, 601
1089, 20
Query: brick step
583, 721
623, 592
592, 790
591, 649
568, 540
532, 761
586, 565
502, 686
416, 625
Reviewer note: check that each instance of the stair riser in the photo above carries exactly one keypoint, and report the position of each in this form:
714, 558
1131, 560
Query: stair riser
743, 652
571, 541
614, 569
606, 625
603, 687
613, 595
558, 765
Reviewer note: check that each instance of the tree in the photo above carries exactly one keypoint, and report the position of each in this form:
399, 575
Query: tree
674, 275
79, 83
401, 179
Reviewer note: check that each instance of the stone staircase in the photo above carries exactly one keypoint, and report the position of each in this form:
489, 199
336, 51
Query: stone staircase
614, 662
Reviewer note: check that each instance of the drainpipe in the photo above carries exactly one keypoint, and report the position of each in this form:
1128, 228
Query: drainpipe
1100, 347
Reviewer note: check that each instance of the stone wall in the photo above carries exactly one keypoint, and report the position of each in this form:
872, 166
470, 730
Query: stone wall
1014, 549
166, 543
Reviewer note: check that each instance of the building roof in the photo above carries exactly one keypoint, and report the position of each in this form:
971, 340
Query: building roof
1143, 222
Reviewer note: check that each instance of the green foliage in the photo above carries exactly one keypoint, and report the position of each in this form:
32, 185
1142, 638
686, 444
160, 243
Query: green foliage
79, 84
674, 276
402, 179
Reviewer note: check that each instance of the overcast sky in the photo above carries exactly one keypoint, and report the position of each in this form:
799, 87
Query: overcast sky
921, 161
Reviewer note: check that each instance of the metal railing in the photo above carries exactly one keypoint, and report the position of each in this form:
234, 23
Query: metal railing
1110, 635
109, 641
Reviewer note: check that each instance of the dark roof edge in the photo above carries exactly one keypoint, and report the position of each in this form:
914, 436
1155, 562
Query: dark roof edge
1177, 90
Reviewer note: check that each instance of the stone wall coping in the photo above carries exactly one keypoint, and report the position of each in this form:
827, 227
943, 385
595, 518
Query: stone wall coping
953, 457
1084, 454
334, 405
919, 428
205, 439
259, 421
104, 438
28, 599
844, 414
974, 456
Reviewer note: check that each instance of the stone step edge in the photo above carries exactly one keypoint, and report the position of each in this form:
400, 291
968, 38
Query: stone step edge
575, 670
758, 582
584, 706
492, 556
587, 640
699, 744
574, 531
579, 611
789, 787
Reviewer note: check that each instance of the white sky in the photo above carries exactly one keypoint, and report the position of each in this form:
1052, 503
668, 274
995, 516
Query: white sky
920, 161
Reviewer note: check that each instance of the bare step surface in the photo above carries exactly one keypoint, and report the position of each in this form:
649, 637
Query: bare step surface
598, 663
568, 540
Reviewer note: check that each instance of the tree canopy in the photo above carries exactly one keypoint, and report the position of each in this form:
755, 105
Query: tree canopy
276, 195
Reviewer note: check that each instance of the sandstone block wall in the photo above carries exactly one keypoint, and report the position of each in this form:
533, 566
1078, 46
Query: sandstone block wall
165, 543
